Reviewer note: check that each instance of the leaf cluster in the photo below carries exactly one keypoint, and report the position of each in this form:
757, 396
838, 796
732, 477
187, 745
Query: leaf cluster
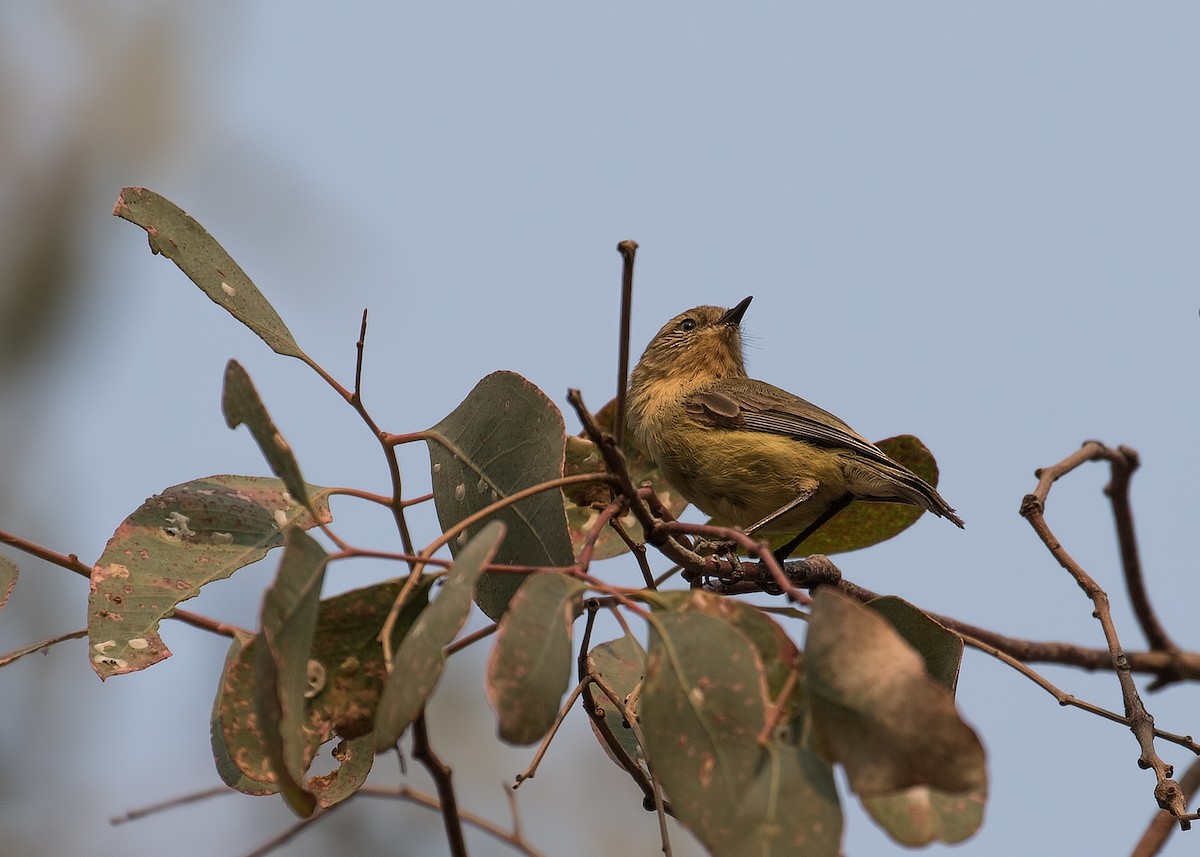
717, 715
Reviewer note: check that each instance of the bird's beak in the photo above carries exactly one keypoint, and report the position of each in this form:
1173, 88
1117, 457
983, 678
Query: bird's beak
734, 315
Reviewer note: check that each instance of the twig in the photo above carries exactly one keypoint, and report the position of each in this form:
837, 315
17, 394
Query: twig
1067, 699
17, 654
162, 806
596, 712
389, 624
71, 562
638, 550
628, 251
515, 839
529, 772
354, 399
286, 836
660, 807
1166, 792
1124, 461
360, 346
606, 516
423, 752
474, 637
1164, 823
614, 461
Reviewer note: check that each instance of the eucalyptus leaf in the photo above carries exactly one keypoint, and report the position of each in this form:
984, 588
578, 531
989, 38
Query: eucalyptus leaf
281, 664
240, 403
176, 234
504, 437
419, 660
530, 665
340, 699
171, 546
703, 706
879, 712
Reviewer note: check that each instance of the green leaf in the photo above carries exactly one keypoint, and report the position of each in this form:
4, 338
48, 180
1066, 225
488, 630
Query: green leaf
778, 653
584, 502
420, 658
175, 234
621, 663
240, 403
530, 664
8, 579
175, 543
862, 524
341, 703
504, 437
880, 714
790, 805
703, 705
281, 664
941, 648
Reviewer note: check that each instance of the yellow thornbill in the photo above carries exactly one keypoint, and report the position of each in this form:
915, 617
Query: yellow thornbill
747, 452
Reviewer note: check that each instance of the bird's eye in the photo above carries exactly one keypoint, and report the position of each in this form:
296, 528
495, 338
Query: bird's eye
687, 324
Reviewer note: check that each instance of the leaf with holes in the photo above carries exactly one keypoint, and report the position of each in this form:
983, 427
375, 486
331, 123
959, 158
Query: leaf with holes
346, 677
505, 436
175, 543
421, 657
530, 664
176, 234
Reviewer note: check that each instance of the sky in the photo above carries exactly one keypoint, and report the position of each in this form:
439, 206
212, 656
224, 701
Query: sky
974, 223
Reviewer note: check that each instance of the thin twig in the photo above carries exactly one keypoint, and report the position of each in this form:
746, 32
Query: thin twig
1166, 792
17, 654
443, 780
628, 251
1067, 699
474, 637
172, 803
71, 562
1124, 461
660, 806
354, 399
515, 839
638, 550
529, 772
607, 515
389, 624
1164, 823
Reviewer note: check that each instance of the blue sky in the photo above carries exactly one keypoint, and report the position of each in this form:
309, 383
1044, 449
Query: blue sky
972, 223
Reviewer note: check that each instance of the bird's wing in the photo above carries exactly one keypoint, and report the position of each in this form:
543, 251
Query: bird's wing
750, 405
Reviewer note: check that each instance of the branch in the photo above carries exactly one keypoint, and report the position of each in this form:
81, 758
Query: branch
1163, 823
1124, 462
442, 778
71, 562
1167, 792
628, 251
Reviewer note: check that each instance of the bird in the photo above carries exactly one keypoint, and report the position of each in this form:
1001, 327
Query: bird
746, 452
